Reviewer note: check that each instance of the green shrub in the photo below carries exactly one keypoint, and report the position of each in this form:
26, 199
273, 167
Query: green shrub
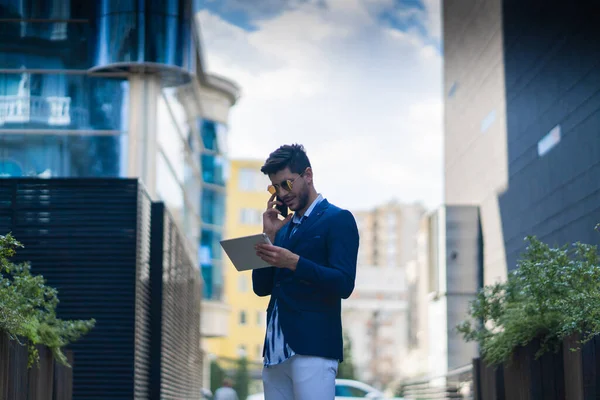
28, 308
242, 378
554, 293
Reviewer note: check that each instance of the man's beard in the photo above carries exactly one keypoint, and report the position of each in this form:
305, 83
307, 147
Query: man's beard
303, 200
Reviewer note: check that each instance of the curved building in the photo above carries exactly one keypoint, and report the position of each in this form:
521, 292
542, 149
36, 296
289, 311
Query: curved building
117, 89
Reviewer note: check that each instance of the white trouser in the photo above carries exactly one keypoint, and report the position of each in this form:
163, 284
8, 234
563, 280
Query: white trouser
301, 378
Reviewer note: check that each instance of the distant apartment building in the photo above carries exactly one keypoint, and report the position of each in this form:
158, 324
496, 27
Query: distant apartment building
441, 282
388, 234
375, 318
522, 110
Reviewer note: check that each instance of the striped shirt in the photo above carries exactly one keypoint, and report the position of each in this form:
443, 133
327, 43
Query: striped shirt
277, 350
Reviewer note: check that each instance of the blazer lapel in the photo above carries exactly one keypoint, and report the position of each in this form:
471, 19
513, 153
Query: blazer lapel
310, 221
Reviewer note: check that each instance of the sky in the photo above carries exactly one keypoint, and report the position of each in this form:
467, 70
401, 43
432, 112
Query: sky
357, 82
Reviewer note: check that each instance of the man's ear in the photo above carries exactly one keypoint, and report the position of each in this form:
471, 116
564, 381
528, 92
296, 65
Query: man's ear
308, 174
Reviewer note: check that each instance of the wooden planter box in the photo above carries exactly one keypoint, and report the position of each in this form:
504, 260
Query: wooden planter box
48, 381
582, 369
526, 378
488, 381
566, 375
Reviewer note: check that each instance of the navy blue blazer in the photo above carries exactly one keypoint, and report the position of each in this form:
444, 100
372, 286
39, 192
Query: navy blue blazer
309, 298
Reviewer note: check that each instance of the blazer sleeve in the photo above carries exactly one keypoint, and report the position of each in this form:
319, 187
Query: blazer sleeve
262, 279
342, 243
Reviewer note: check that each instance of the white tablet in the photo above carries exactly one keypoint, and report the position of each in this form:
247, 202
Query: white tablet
242, 253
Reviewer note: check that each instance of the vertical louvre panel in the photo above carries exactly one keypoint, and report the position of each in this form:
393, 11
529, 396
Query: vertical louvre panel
176, 296
90, 240
142, 321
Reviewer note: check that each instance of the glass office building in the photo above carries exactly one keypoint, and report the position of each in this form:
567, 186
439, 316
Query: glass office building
116, 89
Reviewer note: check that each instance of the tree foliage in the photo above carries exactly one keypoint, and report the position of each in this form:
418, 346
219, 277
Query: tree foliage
346, 368
217, 375
242, 378
28, 308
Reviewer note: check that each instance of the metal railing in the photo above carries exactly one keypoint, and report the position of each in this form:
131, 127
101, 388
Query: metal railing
53, 110
456, 384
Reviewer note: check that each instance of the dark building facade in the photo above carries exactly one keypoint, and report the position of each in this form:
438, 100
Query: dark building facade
552, 81
116, 257
522, 103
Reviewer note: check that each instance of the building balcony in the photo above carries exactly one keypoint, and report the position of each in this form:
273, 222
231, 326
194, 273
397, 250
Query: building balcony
54, 110
215, 319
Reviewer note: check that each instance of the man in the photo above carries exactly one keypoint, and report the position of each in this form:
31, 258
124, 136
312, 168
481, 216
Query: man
313, 256
226, 392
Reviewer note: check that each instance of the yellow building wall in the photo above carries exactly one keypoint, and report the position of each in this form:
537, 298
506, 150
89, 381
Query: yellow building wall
247, 198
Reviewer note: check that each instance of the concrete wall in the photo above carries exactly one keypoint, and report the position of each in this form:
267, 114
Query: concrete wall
474, 120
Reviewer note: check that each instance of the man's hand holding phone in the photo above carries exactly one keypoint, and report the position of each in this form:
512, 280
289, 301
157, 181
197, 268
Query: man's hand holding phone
271, 222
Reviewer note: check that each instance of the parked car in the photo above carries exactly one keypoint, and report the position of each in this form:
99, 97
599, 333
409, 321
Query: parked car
347, 389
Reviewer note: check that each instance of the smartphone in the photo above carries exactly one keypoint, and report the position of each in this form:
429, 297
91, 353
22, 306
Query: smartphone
283, 209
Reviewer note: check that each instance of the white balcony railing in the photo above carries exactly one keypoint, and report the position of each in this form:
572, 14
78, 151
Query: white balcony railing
52, 110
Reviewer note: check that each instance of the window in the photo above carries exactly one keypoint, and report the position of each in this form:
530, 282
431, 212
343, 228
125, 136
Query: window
242, 284
213, 169
258, 351
391, 220
452, 90
251, 216
251, 180
213, 206
488, 121
242, 350
242, 317
548, 142
260, 318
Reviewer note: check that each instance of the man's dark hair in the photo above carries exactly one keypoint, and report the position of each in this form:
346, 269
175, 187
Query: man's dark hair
287, 156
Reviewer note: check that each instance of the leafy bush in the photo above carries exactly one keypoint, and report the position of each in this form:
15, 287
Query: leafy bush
28, 308
554, 293
346, 368
242, 378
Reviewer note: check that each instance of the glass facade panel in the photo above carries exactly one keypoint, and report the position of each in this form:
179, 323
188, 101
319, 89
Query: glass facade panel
214, 135
56, 9
117, 6
213, 169
168, 188
59, 155
217, 276
213, 206
167, 41
118, 39
152, 37
170, 141
208, 131
167, 7
59, 101
45, 45
210, 245
209, 255
207, 271
179, 116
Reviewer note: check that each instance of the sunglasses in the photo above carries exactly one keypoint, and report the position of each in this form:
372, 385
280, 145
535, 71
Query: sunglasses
288, 184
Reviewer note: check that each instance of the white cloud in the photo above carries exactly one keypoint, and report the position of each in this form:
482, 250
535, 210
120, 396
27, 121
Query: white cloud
365, 100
